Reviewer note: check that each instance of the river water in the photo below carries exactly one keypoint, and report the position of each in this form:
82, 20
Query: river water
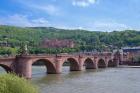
109, 80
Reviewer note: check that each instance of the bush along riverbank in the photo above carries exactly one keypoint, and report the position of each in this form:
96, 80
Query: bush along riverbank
10, 83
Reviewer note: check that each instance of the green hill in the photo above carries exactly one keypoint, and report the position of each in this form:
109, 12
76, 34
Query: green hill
85, 40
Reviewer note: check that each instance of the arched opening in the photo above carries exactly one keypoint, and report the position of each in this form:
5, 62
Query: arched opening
43, 66
101, 63
4, 68
89, 64
72, 63
111, 63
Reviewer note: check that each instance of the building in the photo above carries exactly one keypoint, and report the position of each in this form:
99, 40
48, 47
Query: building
131, 54
57, 43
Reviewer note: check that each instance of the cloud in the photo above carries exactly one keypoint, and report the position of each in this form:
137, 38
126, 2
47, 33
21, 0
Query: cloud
63, 26
83, 3
110, 26
23, 21
40, 22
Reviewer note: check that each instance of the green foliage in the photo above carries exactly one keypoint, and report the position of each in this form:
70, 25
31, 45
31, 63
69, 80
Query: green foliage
85, 40
10, 83
8, 51
52, 50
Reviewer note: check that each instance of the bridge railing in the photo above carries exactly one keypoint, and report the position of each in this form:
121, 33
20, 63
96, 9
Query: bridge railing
65, 54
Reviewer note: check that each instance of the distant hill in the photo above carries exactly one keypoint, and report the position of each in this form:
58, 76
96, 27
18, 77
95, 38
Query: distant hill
86, 40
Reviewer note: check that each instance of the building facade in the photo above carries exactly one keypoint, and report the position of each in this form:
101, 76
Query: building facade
57, 43
131, 55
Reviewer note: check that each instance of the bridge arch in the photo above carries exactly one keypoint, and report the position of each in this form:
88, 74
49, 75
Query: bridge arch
6, 68
89, 64
101, 63
50, 67
111, 63
73, 63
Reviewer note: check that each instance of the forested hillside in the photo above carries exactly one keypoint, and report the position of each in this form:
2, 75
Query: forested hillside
85, 40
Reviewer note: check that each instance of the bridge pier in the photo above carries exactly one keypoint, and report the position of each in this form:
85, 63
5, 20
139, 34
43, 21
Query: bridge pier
96, 65
117, 62
58, 66
23, 67
81, 67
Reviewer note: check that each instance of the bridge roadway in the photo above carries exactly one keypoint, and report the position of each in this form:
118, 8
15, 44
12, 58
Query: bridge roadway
22, 64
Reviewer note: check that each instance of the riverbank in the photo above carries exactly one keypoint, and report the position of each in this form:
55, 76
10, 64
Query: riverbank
128, 66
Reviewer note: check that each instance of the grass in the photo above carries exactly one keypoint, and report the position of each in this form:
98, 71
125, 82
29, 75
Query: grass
10, 83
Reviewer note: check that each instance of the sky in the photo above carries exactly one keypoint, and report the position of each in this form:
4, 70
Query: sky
93, 15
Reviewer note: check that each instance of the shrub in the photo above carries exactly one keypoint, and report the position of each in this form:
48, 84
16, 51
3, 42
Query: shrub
10, 83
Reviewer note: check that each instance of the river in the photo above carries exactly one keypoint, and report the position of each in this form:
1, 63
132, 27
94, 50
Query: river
109, 80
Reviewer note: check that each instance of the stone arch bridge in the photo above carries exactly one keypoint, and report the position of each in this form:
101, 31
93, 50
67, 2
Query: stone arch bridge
22, 64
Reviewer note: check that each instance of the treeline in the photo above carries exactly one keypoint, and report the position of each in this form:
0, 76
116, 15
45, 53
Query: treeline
85, 40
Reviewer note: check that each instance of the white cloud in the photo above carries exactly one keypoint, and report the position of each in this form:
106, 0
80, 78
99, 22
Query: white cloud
98, 26
23, 21
40, 22
110, 26
70, 27
83, 3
